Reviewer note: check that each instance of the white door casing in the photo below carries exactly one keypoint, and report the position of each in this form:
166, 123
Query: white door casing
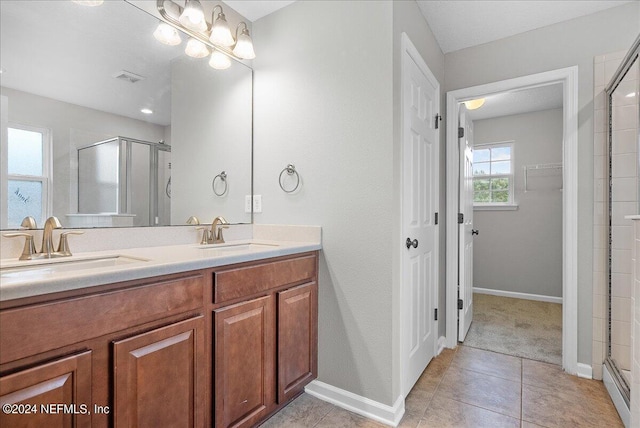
4, 125
420, 170
465, 237
569, 79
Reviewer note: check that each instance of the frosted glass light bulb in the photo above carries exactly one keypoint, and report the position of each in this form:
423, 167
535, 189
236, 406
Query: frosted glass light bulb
244, 46
192, 16
196, 49
219, 61
167, 35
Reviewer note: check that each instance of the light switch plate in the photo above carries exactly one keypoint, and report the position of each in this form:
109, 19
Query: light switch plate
247, 204
257, 203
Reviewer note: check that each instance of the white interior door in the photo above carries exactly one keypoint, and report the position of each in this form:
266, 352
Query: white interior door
420, 147
466, 231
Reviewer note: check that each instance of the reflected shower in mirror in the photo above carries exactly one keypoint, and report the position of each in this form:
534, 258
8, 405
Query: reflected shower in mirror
73, 77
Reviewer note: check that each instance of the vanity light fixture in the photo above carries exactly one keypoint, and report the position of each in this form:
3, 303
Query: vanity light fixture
88, 2
192, 17
216, 38
474, 104
219, 61
244, 45
167, 35
220, 32
196, 49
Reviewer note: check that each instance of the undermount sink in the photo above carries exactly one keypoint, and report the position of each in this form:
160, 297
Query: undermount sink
59, 266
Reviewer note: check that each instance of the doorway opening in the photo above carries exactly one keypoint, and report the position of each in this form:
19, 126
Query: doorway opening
493, 187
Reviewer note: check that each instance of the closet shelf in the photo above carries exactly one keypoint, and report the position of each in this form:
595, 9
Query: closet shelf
538, 167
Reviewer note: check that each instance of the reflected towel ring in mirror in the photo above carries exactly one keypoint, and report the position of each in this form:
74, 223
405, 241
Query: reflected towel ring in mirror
222, 177
291, 171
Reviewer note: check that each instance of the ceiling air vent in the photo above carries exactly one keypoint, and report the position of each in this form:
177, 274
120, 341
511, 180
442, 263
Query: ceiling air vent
128, 76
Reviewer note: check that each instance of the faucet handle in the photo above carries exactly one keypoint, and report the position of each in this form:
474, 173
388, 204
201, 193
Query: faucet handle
193, 220
205, 235
63, 246
28, 223
29, 248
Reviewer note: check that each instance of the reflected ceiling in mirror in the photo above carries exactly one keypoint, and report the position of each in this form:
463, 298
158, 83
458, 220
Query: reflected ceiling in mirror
74, 76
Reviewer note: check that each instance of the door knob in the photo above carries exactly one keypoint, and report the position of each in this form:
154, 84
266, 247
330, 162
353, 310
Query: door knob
411, 243
475, 232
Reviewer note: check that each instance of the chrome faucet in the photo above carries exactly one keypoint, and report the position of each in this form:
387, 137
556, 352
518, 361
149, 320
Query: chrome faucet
47, 249
216, 230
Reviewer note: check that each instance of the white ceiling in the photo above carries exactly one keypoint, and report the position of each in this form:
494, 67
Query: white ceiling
517, 102
42, 54
256, 9
462, 24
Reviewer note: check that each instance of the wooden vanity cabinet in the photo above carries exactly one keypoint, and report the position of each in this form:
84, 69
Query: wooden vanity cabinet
265, 337
223, 347
127, 354
297, 339
157, 377
33, 395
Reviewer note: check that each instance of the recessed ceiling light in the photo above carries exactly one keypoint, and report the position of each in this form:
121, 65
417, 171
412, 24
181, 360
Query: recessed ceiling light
630, 95
146, 111
474, 104
2, 70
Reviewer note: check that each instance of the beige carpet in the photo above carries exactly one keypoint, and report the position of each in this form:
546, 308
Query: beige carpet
523, 328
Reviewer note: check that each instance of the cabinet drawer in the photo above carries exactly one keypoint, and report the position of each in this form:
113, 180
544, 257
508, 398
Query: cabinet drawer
34, 329
246, 281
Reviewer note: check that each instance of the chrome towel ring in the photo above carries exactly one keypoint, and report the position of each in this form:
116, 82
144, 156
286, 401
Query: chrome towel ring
223, 178
291, 171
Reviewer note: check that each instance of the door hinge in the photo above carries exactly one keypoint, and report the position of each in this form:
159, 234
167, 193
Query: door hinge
460, 304
436, 220
438, 119
435, 314
460, 218
460, 132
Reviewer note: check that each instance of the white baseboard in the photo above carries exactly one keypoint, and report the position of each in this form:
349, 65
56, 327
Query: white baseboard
585, 371
388, 415
442, 341
517, 295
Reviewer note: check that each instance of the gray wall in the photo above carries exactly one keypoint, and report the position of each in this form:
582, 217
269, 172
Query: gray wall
210, 133
324, 100
566, 44
521, 250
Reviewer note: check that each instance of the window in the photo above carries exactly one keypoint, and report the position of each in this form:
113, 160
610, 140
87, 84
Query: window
28, 174
493, 174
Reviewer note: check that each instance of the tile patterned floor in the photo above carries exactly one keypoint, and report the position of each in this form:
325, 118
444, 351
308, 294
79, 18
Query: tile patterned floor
470, 387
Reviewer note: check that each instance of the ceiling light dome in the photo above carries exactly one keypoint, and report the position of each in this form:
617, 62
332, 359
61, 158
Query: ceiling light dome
192, 16
474, 104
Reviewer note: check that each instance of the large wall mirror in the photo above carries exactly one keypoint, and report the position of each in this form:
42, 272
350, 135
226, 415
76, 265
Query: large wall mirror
102, 125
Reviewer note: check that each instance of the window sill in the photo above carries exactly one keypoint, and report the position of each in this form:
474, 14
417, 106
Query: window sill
503, 207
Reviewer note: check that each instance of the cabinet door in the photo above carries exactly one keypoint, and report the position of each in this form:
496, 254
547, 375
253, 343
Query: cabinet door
159, 377
297, 339
244, 362
55, 394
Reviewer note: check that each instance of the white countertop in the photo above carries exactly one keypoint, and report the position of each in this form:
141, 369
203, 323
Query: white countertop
142, 263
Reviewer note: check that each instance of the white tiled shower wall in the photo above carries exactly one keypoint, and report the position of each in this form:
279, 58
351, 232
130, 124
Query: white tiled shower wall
624, 197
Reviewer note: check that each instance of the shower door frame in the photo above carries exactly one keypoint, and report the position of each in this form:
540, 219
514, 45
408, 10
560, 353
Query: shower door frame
124, 173
626, 64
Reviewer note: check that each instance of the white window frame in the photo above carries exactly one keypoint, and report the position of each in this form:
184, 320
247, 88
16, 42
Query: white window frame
47, 169
511, 203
